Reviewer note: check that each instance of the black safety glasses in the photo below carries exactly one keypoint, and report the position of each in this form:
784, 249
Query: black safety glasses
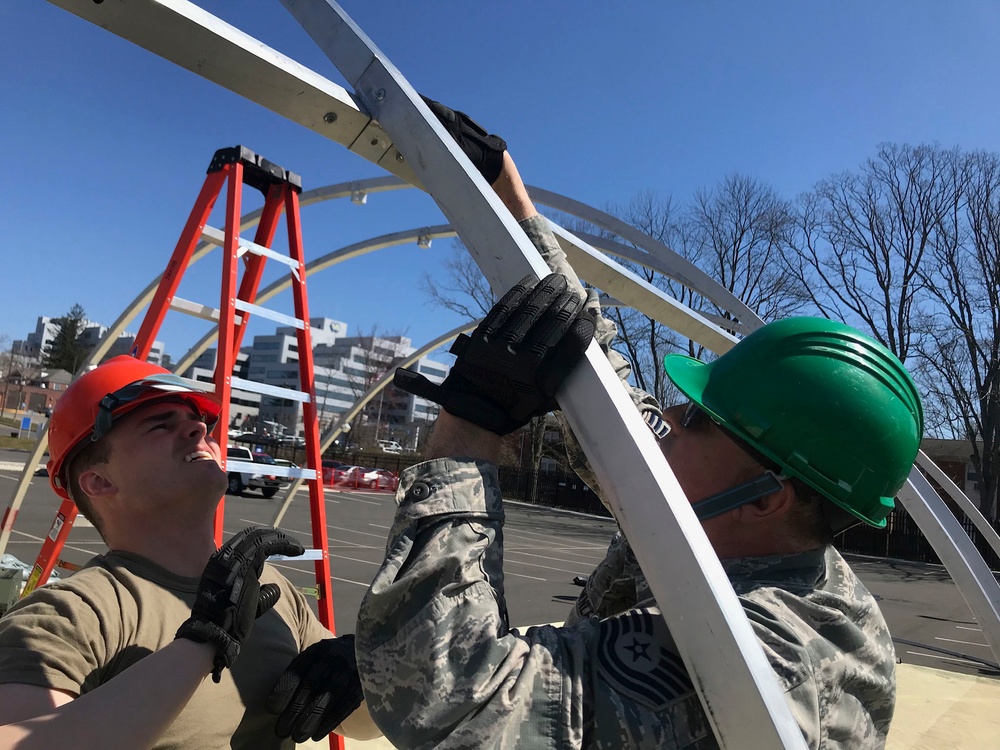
166, 383
696, 418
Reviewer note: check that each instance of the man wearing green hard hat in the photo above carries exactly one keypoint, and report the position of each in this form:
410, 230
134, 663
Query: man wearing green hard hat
803, 428
817, 402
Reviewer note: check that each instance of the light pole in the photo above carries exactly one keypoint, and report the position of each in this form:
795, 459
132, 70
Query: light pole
378, 419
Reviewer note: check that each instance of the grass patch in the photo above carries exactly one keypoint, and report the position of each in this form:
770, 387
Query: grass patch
8, 443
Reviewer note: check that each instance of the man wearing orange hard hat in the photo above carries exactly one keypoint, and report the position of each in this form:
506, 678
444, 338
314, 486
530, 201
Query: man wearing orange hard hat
117, 655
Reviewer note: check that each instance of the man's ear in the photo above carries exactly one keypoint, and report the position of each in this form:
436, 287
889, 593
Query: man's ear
771, 506
95, 484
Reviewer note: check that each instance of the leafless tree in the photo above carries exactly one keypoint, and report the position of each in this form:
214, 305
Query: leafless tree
738, 232
962, 342
863, 236
642, 340
908, 247
464, 289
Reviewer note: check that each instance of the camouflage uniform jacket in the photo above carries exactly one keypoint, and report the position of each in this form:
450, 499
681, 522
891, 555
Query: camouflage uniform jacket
441, 667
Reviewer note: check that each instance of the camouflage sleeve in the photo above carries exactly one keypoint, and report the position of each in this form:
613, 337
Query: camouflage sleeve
541, 236
618, 583
441, 668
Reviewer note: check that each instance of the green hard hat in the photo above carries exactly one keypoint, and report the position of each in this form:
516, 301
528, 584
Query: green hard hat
826, 403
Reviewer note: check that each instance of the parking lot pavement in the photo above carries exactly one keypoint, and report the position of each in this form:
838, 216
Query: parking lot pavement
544, 550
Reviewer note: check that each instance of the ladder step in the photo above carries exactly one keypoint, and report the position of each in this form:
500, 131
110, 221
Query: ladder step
251, 467
295, 473
201, 385
309, 554
270, 314
218, 237
198, 310
270, 390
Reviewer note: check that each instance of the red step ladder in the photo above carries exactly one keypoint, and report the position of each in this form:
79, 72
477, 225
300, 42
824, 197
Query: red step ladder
235, 167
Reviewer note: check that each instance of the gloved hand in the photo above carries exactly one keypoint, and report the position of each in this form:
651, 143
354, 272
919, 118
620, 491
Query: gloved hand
230, 596
318, 691
509, 370
484, 151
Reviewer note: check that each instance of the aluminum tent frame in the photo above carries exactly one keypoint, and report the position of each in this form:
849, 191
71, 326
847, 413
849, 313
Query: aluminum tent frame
386, 123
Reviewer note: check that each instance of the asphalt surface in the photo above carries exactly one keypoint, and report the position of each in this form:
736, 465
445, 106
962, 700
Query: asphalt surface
544, 550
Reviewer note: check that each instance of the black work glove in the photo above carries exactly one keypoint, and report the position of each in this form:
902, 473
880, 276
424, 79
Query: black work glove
318, 691
509, 370
230, 596
484, 151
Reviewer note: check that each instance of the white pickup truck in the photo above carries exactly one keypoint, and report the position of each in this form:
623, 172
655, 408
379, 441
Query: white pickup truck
390, 446
268, 484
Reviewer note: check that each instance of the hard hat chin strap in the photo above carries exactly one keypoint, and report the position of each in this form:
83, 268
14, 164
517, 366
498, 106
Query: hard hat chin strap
741, 494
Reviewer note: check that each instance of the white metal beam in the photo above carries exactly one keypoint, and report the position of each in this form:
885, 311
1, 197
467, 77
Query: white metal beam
961, 499
961, 558
683, 270
734, 681
193, 38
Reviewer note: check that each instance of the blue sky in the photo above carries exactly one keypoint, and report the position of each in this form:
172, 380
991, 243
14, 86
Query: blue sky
105, 146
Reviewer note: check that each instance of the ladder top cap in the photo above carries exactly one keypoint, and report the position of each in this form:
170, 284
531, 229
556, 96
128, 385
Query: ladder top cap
258, 172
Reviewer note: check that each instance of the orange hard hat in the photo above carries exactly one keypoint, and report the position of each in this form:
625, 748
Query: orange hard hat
94, 401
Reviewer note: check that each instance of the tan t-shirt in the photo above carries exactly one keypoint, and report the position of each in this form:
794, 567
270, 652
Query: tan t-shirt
78, 633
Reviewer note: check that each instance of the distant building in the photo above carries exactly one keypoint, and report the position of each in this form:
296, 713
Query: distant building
345, 367
33, 389
244, 407
34, 345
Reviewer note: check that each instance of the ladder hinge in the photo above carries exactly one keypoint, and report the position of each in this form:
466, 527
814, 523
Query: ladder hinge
258, 172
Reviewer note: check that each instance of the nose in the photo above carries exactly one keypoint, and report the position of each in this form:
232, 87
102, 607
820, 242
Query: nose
196, 427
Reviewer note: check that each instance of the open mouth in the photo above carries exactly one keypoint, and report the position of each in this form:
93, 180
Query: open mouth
199, 456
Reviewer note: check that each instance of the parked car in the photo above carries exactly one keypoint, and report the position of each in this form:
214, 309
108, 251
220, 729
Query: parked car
348, 476
329, 465
379, 479
285, 481
268, 484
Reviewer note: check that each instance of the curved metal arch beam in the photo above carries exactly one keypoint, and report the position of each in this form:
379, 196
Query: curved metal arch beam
683, 270
654, 263
628, 288
962, 500
594, 266
959, 555
659, 257
335, 430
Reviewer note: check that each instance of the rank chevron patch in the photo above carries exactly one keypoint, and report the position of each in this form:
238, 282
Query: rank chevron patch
636, 657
